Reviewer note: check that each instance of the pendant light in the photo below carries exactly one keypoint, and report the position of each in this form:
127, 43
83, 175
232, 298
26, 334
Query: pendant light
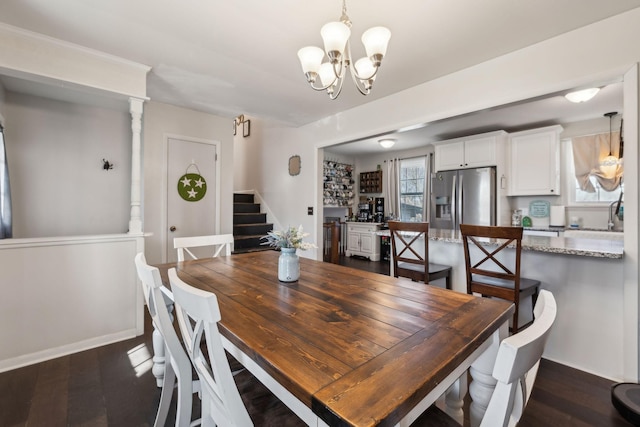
609, 165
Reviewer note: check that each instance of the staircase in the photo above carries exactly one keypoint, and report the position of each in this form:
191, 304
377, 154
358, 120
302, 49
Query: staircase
249, 225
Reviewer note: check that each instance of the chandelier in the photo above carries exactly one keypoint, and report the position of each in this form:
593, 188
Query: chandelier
336, 45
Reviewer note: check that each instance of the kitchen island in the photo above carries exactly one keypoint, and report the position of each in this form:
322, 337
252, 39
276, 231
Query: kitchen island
586, 277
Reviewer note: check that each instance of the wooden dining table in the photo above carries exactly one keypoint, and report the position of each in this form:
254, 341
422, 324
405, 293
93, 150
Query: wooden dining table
346, 347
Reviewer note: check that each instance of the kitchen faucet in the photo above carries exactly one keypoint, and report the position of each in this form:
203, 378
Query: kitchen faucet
617, 204
613, 206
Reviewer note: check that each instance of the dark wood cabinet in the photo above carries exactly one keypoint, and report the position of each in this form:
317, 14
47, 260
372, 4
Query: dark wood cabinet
371, 182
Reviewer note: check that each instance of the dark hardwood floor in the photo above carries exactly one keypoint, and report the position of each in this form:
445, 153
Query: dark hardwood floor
113, 386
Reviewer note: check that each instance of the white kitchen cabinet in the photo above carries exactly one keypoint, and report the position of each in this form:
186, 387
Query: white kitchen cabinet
535, 162
469, 152
362, 240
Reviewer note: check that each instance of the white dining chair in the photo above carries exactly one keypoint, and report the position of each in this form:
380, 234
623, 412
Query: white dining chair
178, 368
198, 316
219, 242
515, 370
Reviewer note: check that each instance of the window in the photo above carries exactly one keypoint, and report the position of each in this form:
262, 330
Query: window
413, 189
578, 196
601, 195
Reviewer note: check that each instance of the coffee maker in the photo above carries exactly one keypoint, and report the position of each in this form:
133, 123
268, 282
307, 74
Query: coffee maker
378, 209
364, 212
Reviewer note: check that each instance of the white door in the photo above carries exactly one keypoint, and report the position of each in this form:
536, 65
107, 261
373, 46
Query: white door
191, 191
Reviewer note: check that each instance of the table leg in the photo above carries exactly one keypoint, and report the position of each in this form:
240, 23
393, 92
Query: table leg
482, 381
454, 399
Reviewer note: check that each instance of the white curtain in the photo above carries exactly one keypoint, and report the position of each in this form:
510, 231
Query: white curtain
588, 151
5, 193
391, 188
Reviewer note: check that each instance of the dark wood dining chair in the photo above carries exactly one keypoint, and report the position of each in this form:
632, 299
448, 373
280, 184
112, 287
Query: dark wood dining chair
491, 272
408, 261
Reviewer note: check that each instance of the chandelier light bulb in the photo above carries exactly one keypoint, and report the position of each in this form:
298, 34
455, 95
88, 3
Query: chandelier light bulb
376, 40
310, 59
327, 75
335, 36
365, 69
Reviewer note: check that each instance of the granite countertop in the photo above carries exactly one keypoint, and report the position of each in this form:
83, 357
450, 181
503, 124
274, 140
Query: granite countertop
598, 248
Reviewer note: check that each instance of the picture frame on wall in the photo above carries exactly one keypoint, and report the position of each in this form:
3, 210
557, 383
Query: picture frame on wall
246, 128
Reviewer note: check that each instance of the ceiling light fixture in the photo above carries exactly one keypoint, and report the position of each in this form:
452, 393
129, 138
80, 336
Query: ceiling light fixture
387, 143
609, 165
336, 45
582, 95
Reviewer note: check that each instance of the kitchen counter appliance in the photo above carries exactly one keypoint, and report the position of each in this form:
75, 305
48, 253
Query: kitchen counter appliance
466, 196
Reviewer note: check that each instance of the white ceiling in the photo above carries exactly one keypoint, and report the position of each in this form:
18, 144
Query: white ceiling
239, 57
545, 111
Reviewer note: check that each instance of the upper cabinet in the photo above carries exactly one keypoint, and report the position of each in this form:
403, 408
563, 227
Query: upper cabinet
469, 152
535, 162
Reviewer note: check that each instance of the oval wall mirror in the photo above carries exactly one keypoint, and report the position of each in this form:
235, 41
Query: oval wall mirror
294, 165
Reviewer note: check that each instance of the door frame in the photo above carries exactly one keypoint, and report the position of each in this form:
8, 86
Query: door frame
164, 232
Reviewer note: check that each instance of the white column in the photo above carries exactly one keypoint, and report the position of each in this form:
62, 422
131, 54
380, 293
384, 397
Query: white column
135, 219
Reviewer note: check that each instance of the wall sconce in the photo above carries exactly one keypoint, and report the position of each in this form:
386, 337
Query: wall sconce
240, 121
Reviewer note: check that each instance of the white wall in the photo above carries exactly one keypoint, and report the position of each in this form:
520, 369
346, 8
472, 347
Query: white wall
161, 120
554, 65
2, 100
265, 159
66, 294
58, 184
246, 157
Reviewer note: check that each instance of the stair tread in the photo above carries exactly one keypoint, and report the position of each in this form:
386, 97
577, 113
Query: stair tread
247, 237
254, 249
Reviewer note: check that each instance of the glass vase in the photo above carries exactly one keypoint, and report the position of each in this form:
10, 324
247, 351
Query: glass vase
288, 265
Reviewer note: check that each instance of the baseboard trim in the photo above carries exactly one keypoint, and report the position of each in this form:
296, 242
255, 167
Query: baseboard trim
53, 353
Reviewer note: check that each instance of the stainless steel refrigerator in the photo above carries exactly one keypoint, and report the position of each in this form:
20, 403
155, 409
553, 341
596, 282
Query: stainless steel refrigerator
466, 196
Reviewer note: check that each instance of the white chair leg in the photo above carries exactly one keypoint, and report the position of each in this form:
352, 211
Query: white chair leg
185, 400
207, 420
165, 397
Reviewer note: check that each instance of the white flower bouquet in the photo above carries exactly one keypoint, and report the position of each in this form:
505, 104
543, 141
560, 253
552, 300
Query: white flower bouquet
288, 238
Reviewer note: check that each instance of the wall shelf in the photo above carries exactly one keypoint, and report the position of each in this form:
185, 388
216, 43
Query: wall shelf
371, 182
